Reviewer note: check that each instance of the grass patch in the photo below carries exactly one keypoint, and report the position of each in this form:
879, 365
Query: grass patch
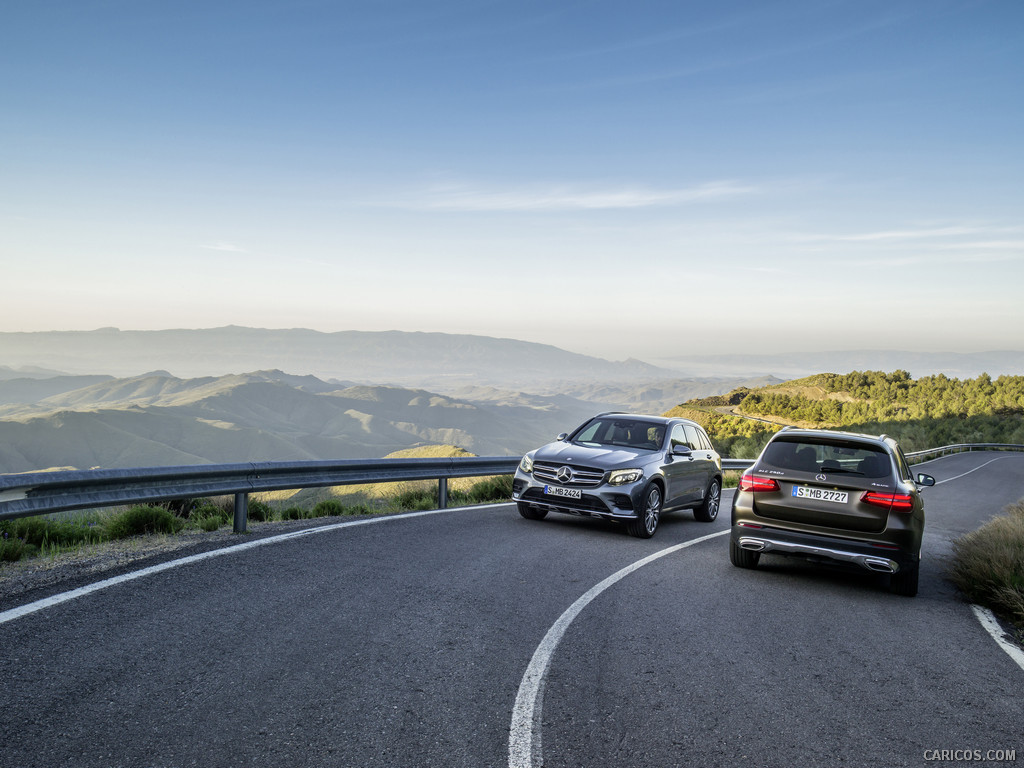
51, 534
29, 536
988, 565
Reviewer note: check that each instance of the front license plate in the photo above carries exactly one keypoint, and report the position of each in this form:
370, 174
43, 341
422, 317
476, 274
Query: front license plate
569, 493
820, 494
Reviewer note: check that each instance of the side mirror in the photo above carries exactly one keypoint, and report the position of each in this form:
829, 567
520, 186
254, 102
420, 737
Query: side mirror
925, 480
681, 449
561, 437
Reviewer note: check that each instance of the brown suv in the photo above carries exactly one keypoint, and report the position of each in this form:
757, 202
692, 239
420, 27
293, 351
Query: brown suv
832, 497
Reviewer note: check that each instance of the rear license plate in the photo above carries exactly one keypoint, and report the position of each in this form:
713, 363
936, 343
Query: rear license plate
820, 494
569, 493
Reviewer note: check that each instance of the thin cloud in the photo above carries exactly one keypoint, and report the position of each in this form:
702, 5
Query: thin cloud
930, 233
224, 247
466, 198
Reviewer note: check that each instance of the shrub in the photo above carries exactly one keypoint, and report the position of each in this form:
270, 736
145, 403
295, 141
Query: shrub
142, 520
988, 564
294, 513
328, 508
491, 489
209, 524
11, 549
416, 499
260, 511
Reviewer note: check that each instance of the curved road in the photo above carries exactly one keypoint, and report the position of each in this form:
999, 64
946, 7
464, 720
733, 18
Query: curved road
404, 642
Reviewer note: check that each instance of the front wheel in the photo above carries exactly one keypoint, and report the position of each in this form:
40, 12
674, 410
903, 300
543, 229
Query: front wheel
530, 512
646, 523
708, 510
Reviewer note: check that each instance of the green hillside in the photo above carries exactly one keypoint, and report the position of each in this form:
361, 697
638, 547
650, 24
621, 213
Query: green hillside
920, 413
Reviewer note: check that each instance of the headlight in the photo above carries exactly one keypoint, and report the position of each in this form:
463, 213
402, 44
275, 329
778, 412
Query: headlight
526, 465
623, 476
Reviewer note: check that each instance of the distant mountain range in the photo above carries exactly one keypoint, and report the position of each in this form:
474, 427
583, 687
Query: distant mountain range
436, 361
157, 419
389, 357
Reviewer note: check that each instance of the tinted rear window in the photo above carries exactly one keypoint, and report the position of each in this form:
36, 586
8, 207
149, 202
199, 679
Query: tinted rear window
825, 457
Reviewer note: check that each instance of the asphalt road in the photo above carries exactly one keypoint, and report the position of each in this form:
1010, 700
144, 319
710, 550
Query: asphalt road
404, 642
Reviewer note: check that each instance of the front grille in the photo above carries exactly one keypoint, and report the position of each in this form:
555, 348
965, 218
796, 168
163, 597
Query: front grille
582, 477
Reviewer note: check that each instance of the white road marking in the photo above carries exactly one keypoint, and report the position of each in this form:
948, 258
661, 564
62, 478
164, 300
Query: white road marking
991, 625
980, 466
524, 743
63, 597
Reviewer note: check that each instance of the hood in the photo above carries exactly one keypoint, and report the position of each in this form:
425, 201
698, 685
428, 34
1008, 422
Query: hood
583, 456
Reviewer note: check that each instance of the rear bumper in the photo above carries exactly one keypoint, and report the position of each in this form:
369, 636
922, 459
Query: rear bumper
822, 548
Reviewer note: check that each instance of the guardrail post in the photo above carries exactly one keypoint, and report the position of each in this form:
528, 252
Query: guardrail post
442, 493
241, 511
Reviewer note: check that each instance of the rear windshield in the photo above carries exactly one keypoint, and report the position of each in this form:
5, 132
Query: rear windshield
828, 457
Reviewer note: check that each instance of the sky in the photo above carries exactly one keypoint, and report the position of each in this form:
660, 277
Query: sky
645, 179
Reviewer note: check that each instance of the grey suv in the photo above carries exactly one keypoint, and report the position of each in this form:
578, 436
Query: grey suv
623, 467
832, 497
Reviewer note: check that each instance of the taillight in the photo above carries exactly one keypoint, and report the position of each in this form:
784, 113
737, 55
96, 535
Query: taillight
758, 484
900, 502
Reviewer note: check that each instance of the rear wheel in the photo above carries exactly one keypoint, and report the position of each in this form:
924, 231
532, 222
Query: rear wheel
646, 523
530, 512
708, 510
742, 558
904, 582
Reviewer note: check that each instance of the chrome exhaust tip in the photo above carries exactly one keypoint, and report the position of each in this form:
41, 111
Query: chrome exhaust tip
880, 565
754, 545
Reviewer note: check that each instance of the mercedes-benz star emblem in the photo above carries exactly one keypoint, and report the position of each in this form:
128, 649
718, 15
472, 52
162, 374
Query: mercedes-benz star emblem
821, 478
564, 474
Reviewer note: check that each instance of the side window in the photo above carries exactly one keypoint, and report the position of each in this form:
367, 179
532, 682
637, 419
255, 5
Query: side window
691, 437
901, 462
678, 436
705, 441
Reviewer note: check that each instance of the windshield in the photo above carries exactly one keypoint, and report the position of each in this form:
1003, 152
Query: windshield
622, 432
828, 457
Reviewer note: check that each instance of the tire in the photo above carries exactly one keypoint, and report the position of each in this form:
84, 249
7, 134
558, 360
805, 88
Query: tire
530, 512
708, 510
644, 526
742, 558
905, 581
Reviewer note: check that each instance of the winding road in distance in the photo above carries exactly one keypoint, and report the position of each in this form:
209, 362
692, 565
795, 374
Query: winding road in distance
406, 641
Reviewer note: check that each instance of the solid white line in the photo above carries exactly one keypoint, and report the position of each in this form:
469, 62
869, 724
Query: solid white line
524, 743
991, 625
63, 597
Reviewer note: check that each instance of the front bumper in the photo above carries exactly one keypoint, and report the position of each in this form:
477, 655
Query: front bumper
608, 502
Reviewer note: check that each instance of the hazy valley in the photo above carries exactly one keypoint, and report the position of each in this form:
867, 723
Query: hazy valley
110, 398
157, 419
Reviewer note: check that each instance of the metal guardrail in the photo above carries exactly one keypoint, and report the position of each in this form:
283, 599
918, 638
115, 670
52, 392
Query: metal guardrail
737, 464
43, 492
960, 448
